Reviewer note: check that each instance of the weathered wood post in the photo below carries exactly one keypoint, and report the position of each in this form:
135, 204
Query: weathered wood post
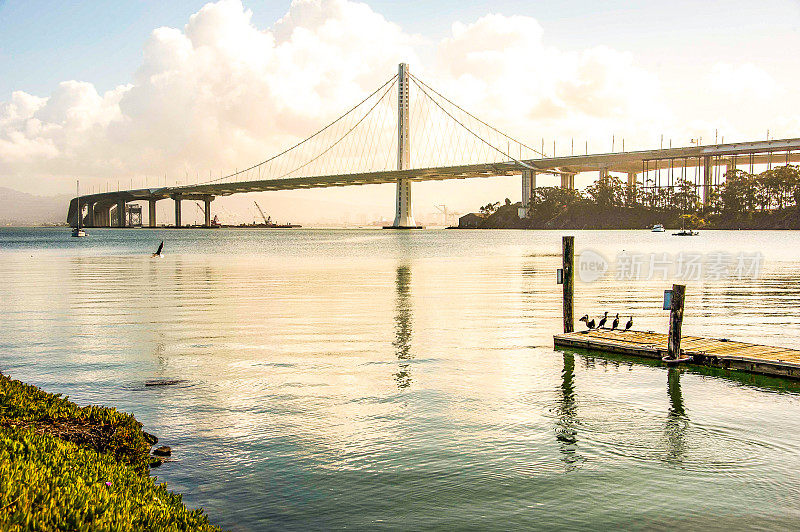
568, 255
675, 321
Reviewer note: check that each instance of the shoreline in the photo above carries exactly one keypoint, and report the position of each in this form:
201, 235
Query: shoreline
62, 464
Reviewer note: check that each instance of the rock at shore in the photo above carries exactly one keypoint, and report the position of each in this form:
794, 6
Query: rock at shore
164, 450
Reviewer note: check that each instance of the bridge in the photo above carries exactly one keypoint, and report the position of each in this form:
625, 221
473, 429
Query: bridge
371, 144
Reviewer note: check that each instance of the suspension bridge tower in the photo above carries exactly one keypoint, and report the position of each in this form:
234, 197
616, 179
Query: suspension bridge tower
404, 212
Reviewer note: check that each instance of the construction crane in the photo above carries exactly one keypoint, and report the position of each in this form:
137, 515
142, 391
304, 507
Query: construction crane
266, 219
443, 209
215, 221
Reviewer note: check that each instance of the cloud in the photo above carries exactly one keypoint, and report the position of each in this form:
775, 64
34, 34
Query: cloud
502, 66
218, 94
221, 93
742, 81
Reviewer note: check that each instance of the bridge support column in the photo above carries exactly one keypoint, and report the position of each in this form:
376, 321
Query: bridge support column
708, 177
528, 191
568, 181
404, 213
207, 200
121, 213
177, 210
89, 215
151, 212
631, 187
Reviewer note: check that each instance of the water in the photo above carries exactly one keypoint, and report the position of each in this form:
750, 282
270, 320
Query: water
404, 380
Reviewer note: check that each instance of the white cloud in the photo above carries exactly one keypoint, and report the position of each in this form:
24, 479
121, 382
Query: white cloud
221, 93
742, 81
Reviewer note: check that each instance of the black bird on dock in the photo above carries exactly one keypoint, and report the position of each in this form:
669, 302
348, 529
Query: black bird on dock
603, 321
629, 324
615, 323
589, 323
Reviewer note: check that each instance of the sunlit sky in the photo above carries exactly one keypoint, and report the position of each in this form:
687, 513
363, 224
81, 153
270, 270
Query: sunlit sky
95, 90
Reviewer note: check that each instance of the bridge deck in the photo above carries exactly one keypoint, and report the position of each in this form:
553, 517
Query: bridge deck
723, 353
778, 151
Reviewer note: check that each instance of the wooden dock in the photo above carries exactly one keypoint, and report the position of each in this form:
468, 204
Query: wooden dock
720, 353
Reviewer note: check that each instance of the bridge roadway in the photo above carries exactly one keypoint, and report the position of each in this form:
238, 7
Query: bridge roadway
631, 163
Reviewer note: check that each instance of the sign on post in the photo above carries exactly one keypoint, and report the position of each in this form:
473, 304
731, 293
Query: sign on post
667, 299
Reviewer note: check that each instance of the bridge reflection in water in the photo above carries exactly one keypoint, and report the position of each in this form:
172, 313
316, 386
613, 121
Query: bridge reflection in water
403, 327
566, 431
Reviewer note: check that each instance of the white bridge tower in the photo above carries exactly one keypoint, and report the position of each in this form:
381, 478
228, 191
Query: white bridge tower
404, 213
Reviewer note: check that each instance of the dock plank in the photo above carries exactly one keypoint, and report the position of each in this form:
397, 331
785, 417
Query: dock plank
743, 356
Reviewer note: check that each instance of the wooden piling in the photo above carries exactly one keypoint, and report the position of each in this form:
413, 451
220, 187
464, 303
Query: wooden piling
675, 321
568, 255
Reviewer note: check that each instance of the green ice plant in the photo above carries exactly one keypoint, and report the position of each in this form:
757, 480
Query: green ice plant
65, 467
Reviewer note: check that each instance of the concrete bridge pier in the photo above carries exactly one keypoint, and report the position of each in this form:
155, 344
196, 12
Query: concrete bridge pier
568, 181
631, 186
708, 178
207, 201
89, 220
528, 191
404, 214
151, 212
177, 199
121, 213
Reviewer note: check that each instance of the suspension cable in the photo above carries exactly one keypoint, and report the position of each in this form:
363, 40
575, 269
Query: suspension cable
419, 81
523, 164
391, 80
329, 148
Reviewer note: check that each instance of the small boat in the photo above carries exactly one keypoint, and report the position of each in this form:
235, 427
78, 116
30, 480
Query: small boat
658, 228
684, 231
77, 232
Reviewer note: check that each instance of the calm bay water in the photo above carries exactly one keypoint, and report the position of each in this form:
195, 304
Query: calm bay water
403, 380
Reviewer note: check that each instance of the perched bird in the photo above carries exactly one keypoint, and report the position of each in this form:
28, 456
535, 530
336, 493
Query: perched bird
629, 324
159, 250
589, 323
603, 321
615, 323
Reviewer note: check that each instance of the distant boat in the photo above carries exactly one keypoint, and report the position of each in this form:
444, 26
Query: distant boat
684, 231
658, 228
77, 231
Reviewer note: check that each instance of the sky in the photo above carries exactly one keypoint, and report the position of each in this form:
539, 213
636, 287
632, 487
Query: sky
125, 91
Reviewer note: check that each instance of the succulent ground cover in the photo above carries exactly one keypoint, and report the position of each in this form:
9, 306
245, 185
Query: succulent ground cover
65, 467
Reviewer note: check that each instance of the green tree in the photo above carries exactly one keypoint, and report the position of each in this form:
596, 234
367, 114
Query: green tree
548, 202
607, 193
738, 193
489, 209
686, 199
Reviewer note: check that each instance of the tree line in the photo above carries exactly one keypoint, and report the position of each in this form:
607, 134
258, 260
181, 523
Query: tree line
740, 197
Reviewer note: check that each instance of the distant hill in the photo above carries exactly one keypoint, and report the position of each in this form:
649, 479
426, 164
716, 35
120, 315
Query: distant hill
19, 208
